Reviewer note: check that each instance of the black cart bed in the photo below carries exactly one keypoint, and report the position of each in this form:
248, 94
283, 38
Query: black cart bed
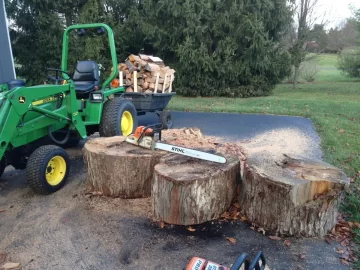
151, 102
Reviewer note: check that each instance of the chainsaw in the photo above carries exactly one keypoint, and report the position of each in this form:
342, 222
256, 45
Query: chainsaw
149, 137
241, 263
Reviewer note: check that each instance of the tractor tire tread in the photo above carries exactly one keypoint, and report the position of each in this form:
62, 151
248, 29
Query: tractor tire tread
33, 165
109, 120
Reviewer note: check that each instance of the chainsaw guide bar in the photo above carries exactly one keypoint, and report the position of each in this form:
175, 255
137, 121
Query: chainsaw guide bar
144, 137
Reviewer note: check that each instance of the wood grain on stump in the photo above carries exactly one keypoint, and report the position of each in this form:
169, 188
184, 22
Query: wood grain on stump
119, 169
190, 191
294, 196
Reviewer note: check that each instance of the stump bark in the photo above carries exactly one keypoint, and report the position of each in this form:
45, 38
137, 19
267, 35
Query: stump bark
294, 196
119, 169
190, 191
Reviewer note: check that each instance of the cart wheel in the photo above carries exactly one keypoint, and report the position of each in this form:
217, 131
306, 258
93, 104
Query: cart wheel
47, 169
165, 119
119, 117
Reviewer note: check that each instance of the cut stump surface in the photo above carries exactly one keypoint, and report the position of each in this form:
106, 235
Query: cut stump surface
119, 169
190, 191
293, 196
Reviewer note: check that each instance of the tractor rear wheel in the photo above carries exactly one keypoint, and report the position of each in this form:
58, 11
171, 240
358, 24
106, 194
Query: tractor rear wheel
119, 117
47, 169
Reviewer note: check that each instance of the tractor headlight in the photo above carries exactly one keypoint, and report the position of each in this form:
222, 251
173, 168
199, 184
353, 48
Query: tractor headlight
96, 97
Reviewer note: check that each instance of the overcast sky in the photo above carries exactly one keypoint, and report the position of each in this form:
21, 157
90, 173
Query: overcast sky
337, 10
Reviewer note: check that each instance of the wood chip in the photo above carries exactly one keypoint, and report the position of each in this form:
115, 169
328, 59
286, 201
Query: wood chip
232, 240
276, 238
10, 265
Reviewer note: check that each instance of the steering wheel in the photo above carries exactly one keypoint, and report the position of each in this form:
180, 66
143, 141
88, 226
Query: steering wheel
57, 78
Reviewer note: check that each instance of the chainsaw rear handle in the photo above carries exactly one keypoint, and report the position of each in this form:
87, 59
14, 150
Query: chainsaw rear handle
240, 261
255, 265
243, 260
142, 131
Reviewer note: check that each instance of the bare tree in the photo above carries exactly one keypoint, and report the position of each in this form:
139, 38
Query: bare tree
306, 15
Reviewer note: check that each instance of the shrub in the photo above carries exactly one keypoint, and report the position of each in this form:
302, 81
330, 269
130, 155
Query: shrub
309, 70
349, 62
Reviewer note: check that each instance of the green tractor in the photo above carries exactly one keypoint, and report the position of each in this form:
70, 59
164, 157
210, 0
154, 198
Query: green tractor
72, 108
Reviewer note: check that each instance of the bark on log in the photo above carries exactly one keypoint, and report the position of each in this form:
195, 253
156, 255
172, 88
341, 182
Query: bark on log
190, 191
296, 196
119, 169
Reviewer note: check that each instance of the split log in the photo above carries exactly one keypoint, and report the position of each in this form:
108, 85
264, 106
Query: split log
152, 67
294, 196
148, 70
119, 169
190, 191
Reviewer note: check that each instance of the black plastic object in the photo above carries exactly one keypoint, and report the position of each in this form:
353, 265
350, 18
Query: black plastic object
149, 102
255, 264
156, 129
15, 83
240, 261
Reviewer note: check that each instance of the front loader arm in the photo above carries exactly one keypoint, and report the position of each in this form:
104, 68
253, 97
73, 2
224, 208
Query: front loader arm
8, 122
16, 103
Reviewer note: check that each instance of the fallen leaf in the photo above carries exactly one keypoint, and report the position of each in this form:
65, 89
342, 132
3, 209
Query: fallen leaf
232, 240
273, 237
261, 230
162, 225
327, 239
352, 180
225, 215
345, 262
340, 250
237, 205
253, 228
191, 229
287, 242
243, 219
342, 130
10, 265
344, 243
2, 210
301, 256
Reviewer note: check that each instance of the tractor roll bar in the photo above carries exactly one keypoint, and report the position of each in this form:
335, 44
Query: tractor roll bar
65, 48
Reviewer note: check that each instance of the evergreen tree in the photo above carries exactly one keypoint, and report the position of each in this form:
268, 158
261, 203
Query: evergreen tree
36, 37
220, 47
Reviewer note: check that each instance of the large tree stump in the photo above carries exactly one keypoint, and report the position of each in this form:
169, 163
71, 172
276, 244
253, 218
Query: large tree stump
190, 191
293, 196
119, 169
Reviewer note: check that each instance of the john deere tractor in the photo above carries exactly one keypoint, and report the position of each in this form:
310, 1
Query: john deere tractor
74, 106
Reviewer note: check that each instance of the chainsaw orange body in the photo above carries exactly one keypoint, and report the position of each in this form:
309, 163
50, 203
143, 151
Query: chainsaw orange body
197, 263
242, 262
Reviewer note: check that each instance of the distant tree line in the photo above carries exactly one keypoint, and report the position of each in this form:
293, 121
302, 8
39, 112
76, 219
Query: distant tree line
219, 48
334, 40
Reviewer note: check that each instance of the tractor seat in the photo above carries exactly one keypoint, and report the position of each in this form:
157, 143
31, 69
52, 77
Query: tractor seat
86, 78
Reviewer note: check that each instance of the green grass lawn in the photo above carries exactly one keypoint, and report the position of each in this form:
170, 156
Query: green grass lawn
332, 103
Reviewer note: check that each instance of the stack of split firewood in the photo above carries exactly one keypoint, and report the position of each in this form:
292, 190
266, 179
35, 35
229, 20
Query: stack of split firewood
145, 73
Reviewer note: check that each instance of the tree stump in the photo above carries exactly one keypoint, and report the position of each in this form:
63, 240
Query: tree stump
119, 169
190, 191
293, 196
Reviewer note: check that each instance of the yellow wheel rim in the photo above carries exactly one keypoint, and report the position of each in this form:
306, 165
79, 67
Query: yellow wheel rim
127, 123
55, 170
